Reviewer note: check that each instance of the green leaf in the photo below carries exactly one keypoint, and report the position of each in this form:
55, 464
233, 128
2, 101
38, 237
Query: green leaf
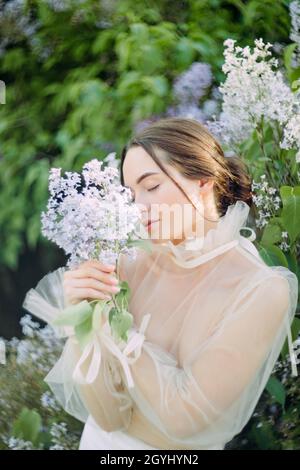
125, 289
184, 52
143, 244
121, 323
263, 436
293, 263
290, 213
295, 329
288, 53
157, 85
27, 425
97, 314
272, 255
271, 234
113, 311
84, 331
74, 314
276, 389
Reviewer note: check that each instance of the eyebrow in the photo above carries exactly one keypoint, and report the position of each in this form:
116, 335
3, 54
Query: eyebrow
143, 176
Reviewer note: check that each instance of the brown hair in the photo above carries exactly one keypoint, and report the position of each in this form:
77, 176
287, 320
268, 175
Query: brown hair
195, 153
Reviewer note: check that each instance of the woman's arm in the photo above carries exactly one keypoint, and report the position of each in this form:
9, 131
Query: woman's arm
46, 301
110, 405
227, 373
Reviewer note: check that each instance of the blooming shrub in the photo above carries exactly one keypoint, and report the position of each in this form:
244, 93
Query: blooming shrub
30, 417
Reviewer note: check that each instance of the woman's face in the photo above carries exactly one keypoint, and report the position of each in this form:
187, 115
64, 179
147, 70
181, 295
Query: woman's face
158, 197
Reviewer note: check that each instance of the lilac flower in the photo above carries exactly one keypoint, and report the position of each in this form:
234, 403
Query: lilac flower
111, 160
266, 199
48, 401
192, 85
15, 443
91, 215
191, 111
145, 122
294, 8
253, 90
291, 135
40, 346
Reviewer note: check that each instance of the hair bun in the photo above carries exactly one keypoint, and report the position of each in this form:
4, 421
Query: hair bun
239, 184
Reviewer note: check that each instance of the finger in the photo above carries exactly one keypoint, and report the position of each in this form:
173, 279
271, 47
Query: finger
94, 284
99, 265
90, 272
83, 293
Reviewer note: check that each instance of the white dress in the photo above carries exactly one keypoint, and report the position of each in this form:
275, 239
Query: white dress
210, 320
95, 438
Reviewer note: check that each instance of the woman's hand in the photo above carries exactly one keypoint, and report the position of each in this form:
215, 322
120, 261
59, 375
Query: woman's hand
90, 280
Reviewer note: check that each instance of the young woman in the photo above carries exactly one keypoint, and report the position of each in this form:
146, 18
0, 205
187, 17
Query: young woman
212, 315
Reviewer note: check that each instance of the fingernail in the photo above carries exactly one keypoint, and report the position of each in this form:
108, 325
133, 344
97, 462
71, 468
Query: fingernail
116, 289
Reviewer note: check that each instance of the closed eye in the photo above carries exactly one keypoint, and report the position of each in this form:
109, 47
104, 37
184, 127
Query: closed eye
152, 189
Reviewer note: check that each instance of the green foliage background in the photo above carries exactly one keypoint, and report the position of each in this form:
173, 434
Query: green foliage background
77, 82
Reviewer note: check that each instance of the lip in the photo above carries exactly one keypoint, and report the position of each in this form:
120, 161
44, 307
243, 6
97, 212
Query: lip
151, 222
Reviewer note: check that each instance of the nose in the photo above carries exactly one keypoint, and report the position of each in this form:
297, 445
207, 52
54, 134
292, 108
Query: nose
144, 212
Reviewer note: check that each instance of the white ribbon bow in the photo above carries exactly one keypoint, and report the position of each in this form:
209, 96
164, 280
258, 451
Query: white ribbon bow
121, 351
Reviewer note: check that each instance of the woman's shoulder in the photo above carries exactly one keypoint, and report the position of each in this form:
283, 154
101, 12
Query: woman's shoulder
250, 268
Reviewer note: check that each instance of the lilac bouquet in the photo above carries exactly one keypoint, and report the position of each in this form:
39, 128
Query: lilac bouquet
91, 216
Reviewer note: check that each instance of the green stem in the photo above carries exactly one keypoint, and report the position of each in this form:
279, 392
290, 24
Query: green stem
260, 136
115, 303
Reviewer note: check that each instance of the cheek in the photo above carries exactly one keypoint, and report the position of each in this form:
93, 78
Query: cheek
172, 224
173, 220
170, 195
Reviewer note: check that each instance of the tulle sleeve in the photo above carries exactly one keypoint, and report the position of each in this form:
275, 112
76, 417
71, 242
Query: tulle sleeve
104, 398
210, 396
47, 299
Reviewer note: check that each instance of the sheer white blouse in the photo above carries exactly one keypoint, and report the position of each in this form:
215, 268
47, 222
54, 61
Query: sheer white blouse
209, 325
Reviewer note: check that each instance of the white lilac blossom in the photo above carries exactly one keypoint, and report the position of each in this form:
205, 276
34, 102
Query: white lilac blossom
111, 160
59, 5
58, 430
294, 8
284, 245
296, 347
192, 85
32, 370
15, 23
291, 135
266, 199
63, 5
190, 111
188, 89
48, 401
29, 327
91, 216
15, 443
210, 107
254, 90
40, 346
140, 125
61, 438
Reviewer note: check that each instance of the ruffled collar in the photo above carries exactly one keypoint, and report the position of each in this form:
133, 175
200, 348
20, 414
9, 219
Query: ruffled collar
194, 251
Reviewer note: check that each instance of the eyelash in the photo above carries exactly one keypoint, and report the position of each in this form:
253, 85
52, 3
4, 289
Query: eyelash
152, 189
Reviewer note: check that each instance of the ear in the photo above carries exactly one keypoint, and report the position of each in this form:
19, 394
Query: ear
206, 184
